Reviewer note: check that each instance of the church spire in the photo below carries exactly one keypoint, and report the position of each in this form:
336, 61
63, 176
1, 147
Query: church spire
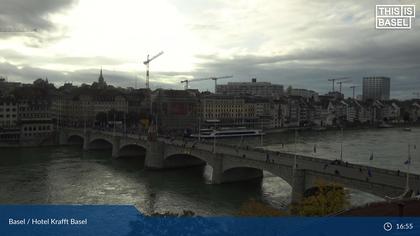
101, 81
101, 78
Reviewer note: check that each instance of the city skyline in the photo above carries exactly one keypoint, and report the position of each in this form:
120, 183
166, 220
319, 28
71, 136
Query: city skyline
245, 38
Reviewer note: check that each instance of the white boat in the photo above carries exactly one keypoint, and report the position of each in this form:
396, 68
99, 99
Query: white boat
228, 133
407, 129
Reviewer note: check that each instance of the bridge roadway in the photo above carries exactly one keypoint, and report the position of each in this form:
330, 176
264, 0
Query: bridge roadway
231, 163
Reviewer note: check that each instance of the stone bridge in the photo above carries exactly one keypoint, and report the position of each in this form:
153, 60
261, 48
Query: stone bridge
230, 163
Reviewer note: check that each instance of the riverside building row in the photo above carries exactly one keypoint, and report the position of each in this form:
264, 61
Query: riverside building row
32, 113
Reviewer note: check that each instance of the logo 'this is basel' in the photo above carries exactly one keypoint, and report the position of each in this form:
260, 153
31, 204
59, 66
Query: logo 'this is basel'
395, 16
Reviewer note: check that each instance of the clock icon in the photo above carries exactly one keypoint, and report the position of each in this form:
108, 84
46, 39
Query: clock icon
387, 226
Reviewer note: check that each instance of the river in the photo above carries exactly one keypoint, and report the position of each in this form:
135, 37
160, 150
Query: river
68, 175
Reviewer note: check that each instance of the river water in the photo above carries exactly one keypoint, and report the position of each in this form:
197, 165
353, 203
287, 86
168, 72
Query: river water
68, 175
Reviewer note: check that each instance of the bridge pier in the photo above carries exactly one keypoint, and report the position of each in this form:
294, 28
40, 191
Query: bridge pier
116, 147
86, 139
298, 186
217, 170
62, 137
155, 155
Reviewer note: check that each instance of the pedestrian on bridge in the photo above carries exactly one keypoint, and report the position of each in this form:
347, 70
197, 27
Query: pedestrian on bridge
369, 172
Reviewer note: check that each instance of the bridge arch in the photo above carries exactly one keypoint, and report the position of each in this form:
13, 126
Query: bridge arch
241, 174
177, 160
131, 150
75, 139
100, 143
231, 166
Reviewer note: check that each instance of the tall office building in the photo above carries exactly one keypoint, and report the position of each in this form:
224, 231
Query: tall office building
377, 88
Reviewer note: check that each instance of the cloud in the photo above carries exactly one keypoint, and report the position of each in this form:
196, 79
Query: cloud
291, 42
30, 14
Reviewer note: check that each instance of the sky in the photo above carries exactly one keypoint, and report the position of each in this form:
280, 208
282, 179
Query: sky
291, 42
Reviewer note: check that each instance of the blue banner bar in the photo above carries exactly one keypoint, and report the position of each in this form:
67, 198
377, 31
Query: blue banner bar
126, 220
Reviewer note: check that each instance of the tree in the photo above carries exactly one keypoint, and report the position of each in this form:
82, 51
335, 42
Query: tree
326, 199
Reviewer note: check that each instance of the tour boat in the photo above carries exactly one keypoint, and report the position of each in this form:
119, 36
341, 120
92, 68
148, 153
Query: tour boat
227, 133
407, 129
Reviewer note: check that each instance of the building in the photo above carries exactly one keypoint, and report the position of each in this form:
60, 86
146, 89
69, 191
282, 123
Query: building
305, 93
254, 88
175, 111
376, 88
8, 113
225, 108
6, 87
415, 112
35, 120
244, 111
80, 106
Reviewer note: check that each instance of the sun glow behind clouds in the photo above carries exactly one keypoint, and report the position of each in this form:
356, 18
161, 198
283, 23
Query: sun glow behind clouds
126, 30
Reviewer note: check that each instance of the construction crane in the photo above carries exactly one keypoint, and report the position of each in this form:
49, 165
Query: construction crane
353, 87
337, 79
209, 78
343, 82
192, 80
147, 62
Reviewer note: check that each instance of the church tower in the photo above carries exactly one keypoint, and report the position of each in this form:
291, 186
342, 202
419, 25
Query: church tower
101, 81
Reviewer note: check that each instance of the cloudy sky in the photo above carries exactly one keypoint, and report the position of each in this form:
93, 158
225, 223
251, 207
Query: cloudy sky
291, 42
